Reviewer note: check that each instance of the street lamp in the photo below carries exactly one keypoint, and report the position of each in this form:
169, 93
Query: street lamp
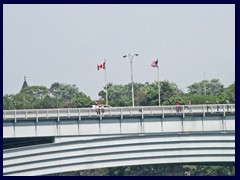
130, 56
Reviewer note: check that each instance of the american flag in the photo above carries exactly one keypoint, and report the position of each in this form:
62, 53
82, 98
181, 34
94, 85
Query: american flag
154, 63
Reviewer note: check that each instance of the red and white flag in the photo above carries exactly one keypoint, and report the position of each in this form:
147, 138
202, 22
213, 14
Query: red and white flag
101, 66
154, 63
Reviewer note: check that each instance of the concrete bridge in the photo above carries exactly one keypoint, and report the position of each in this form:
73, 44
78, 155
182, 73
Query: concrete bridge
121, 136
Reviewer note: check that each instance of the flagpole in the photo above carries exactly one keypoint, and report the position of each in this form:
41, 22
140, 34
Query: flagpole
106, 83
159, 99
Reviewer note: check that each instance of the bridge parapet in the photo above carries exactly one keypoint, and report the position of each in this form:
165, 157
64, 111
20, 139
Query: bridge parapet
121, 112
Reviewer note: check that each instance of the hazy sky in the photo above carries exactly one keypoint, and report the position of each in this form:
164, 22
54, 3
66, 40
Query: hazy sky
64, 43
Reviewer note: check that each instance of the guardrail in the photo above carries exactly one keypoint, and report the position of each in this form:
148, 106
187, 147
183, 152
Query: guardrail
117, 112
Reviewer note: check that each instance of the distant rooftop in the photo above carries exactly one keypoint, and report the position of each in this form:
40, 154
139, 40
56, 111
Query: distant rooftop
24, 83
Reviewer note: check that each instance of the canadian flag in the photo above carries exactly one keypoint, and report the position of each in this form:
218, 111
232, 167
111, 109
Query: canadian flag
101, 66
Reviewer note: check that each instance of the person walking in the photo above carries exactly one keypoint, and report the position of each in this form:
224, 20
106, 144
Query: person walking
227, 101
180, 106
189, 106
97, 110
177, 106
207, 105
218, 107
102, 110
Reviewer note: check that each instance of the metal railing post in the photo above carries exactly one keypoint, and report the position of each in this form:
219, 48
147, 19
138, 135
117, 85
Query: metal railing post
79, 114
203, 111
121, 113
224, 113
89, 114
183, 111
58, 115
162, 111
15, 116
36, 115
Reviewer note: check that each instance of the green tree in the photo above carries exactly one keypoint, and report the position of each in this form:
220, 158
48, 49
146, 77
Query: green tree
8, 102
203, 170
229, 94
118, 95
144, 94
36, 92
195, 99
40, 97
64, 92
213, 87
31, 97
169, 89
81, 100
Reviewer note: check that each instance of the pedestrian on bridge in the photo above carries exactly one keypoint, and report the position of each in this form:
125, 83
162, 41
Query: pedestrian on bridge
97, 110
189, 106
180, 106
207, 105
227, 101
102, 110
218, 107
177, 107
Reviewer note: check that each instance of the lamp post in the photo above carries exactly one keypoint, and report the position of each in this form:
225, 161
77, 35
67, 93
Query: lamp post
130, 56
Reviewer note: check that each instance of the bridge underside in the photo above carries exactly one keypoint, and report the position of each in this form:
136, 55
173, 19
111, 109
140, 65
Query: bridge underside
90, 152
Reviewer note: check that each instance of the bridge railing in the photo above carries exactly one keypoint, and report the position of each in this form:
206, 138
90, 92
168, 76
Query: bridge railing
118, 111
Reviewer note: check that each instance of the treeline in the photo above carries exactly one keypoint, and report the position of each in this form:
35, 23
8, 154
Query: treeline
61, 95
157, 170
147, 94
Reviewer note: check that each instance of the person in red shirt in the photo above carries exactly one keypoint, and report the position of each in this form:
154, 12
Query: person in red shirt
177, 107
97, 109
102, 110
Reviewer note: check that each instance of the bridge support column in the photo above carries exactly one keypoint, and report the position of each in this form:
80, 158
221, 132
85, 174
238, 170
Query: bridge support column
15, 122
99, 125
14, 129
142, 122
183, 112
36, 124
120, 124
203, 111
79, 120
162, 112
224, 123
161, 124
182, 124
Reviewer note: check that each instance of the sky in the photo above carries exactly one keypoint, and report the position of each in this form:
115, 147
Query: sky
64, 43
